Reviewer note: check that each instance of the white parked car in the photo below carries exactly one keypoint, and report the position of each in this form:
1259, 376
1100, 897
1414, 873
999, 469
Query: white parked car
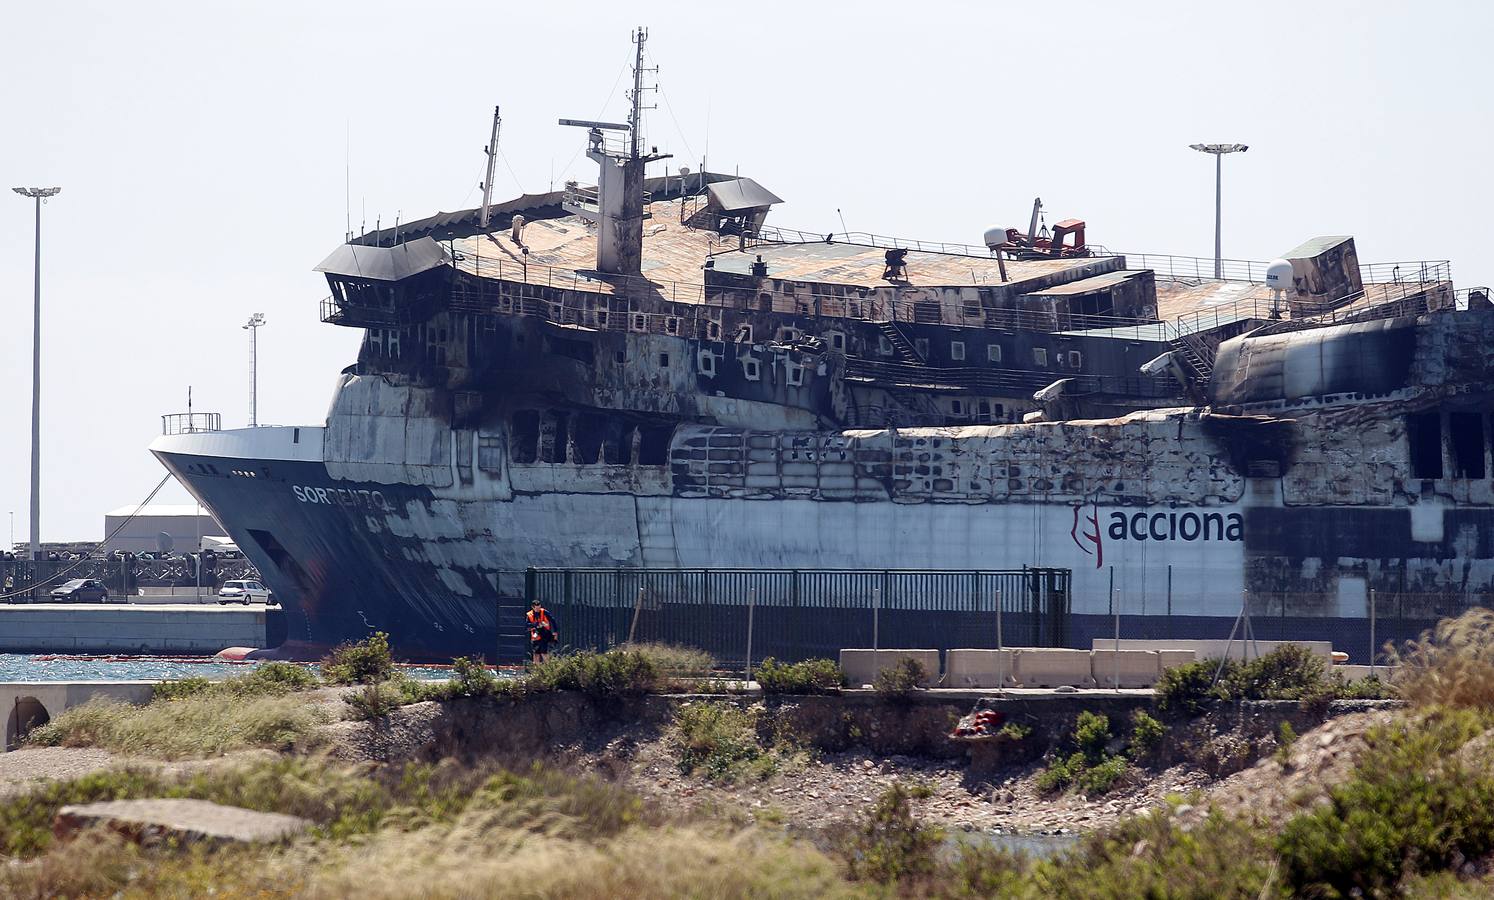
244, 592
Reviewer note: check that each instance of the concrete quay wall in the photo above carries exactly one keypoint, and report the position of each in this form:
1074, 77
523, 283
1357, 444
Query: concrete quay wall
187, 629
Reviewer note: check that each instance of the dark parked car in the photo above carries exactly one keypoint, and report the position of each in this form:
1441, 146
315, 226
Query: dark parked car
81, 590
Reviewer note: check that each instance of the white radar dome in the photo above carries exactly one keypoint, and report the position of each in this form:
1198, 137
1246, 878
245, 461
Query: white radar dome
1278, 274
995, 236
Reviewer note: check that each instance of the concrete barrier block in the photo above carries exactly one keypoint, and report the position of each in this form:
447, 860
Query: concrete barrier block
1049, 667
1238, 650
979, 668
1124, 668
1167, 659
862, 665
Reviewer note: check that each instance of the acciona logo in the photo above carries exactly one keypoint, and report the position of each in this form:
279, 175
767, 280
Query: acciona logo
1142, 525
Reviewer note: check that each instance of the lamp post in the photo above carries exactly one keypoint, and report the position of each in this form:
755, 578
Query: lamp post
38, 195
255, 321
1218, 150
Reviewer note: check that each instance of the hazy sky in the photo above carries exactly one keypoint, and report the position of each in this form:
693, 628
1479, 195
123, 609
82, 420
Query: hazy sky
204, 151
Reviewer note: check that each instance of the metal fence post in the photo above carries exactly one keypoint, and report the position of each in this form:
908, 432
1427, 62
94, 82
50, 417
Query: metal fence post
1000, 645
876, 615
751, 607
1117, 645
1372, 630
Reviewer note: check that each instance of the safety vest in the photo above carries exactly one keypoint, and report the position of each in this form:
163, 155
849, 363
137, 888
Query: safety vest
539, 620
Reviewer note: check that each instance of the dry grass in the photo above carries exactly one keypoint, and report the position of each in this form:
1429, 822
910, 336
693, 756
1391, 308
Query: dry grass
673, 661
202, 725
1451, 665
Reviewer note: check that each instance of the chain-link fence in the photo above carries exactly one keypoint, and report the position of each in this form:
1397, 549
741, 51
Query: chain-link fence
738, 615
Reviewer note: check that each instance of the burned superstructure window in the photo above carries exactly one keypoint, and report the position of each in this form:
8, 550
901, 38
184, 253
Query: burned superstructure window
524, 438
1424, 434
554, 437
489, 454
591, 432
653, 445
1466, 434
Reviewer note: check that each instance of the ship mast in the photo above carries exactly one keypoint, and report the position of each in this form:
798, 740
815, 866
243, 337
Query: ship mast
616, 205
487, 184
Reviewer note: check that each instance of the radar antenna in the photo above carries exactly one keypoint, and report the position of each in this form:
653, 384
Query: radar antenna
635, 96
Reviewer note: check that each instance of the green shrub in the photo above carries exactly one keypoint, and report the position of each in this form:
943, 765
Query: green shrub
890, 845
1061, 773
374, 701
185, 687
1451, 665
812, 676
1102, 776
900, 680
720, 741
1188, 688
616, 672
1368, 688
1015, 731
674, 661
1091, 735
1415, 803
1146, 734
205, 724
366, 662
1286, 736
1290, 672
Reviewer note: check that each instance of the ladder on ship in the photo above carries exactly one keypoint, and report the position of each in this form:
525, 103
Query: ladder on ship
1196, 354
904, 349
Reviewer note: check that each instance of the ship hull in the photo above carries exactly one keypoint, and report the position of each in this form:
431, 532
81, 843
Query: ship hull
428, 566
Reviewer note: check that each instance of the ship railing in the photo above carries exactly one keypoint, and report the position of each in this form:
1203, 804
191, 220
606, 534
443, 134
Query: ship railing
191, 423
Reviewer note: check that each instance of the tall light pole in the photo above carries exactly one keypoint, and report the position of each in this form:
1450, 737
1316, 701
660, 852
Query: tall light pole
38, 195
1218, 150
255, 321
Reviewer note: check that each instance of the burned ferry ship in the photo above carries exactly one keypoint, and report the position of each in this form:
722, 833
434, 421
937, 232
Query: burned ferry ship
646, 373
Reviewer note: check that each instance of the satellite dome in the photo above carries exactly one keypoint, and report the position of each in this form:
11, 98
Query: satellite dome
995, 236
684, 170
1279, 274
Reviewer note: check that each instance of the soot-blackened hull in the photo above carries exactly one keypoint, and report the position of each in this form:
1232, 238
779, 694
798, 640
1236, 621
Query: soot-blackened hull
337, 579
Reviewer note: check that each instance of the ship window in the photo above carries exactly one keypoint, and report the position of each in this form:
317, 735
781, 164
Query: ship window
707, 363
489, 454
640, 322
713, 330
591, 431
1075, 360
790, 335
856, 311
672, 324
795, 374
985, 410
1466, 434
957, 350
751, 370
663, 360
602, 318
620, 357
993, 353
744, 334
922, 346
653, 446
1040, 356
1424, 434
884, 346
554, 437
837, 341
525, 436
957, 407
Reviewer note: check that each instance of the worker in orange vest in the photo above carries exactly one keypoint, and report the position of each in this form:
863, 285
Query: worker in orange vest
542, 631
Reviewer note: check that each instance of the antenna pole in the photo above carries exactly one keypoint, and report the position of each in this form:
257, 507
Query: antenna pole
487, 184
252, 327
635, 115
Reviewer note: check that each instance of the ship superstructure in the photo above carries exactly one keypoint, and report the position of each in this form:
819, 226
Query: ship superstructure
645, 372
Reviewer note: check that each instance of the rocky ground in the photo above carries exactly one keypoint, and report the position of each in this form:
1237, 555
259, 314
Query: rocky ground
814, 789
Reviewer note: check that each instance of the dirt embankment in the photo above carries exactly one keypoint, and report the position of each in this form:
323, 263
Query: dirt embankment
856, 745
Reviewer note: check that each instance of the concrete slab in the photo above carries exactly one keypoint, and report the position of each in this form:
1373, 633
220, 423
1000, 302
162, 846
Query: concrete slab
862, 665
979, 668
153, 821
177, 628
1214, 649
1050, 667
1131, 668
